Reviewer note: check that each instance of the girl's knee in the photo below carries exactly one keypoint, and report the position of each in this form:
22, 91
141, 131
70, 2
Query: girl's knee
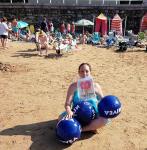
104, 121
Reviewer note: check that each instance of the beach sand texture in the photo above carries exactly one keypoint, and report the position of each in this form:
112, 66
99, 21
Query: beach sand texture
33, 92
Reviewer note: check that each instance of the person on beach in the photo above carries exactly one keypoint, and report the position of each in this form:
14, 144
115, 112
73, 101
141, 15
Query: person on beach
15, 28
73, 98
4, 32
42, 42
44, 25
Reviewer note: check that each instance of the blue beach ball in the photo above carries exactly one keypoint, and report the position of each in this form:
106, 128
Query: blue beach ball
68, 130
84, 112
109, 106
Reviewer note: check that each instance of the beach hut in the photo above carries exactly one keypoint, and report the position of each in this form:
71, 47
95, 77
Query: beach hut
143, 24
101, 24
116, 24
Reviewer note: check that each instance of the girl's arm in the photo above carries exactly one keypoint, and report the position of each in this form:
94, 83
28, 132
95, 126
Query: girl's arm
68, 101
99, 91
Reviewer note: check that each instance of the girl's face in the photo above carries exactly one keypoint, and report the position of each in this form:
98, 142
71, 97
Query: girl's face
84, 71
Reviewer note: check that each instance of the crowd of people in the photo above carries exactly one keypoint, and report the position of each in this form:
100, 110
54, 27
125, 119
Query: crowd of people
42, 34
47, 37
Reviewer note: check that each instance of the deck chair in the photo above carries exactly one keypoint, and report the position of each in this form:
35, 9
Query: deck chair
95, 38
111, 39
62, 48
58, 36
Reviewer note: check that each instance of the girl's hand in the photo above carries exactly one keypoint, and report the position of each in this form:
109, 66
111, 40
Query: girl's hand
69, 114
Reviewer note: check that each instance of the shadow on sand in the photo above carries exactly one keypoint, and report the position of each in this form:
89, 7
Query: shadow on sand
57, 56
42, 135
26, 53
54, 56
30, 53
130, 51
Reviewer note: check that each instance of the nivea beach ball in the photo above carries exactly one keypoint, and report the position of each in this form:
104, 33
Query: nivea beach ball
109, 106
68, 130
84, 112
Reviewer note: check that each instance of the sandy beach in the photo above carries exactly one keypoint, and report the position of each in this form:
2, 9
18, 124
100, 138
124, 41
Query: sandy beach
33, 92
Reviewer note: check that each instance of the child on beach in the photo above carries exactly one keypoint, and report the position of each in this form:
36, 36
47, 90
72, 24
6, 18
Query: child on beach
84, 71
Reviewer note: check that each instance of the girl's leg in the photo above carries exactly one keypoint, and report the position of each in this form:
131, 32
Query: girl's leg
95, 124
39, 49
1, 40
47, 47
3, 45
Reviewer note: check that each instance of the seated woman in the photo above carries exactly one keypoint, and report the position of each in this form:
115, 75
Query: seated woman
73, 97
42, 42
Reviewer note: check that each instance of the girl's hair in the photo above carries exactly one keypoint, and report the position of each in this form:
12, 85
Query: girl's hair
83, 65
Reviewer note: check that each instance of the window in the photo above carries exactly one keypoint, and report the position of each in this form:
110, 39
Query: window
124, 2
19, 1
136, 2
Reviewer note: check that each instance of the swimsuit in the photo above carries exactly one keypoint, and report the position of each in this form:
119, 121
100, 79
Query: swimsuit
93, 101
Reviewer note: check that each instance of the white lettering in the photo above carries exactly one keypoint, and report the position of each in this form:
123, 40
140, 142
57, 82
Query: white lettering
115, 112
76, 108
106, 112
110, 113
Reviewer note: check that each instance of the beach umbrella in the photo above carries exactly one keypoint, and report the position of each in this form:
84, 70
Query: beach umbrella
116, 24
84, 22
22, 24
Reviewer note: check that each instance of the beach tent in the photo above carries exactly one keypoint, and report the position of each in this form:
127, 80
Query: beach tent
116, 24
143, 24
101, 24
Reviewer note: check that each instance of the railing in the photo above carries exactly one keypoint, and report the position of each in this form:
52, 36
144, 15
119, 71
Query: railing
77, 2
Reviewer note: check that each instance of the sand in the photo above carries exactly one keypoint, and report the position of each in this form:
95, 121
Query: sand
33, 92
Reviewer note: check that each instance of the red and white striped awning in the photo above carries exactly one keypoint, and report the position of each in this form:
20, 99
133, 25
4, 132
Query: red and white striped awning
116, 24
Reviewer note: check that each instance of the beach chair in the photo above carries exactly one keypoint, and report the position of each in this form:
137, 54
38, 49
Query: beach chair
111, 39
95, 38
58, 36
89, 38
74, 44
63, 46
